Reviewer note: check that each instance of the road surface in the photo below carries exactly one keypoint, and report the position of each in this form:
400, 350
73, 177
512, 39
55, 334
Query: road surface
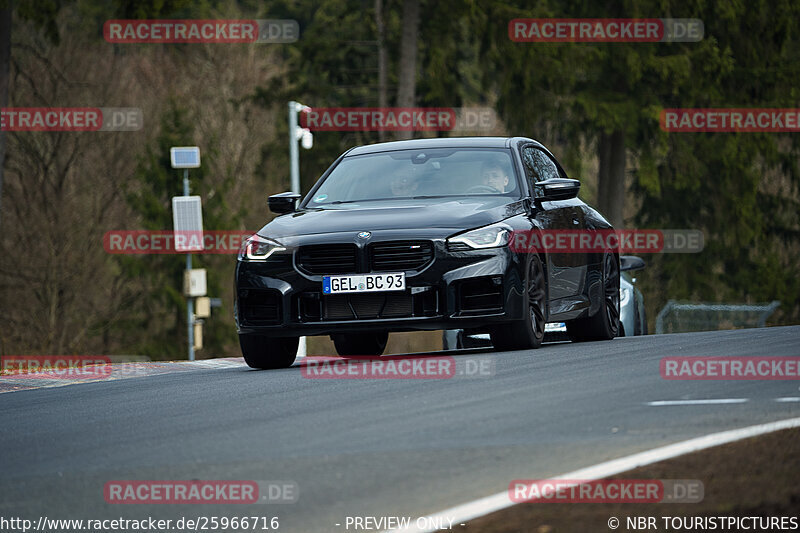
386, 447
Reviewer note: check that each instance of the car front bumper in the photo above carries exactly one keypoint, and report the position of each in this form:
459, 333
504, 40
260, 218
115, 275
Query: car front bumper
457, 289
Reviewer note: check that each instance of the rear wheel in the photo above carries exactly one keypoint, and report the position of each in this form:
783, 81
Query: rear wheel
264, 352
528, 332
604, 325
361, 343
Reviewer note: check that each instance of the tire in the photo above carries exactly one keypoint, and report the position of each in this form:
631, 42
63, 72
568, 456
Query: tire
528, 332
604, 324
264, 352
361, 343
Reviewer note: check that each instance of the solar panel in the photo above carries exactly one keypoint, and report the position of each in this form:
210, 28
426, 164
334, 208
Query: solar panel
184, 156
187, 219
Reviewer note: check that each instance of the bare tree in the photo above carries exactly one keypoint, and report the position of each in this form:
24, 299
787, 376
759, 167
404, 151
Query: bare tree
60, 292
5, 61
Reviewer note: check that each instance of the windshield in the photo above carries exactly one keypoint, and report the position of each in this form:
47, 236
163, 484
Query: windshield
418, 174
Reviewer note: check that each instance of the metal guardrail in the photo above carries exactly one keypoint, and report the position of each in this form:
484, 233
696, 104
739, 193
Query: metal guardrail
762, 310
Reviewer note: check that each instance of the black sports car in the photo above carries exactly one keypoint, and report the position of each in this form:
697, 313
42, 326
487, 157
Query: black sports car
415, 235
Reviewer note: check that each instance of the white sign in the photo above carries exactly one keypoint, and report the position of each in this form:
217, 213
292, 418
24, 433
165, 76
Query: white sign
184, 156
187, 221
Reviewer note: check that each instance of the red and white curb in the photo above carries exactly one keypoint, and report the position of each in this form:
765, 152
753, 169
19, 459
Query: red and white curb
136, 369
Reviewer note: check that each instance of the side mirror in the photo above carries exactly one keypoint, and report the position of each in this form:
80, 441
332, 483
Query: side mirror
630, 263
285, 202
556, 189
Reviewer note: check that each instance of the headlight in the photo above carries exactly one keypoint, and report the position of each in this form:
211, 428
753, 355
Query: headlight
486, 237
257, 248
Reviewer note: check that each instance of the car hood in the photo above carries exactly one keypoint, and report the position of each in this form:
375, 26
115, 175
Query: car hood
451, 213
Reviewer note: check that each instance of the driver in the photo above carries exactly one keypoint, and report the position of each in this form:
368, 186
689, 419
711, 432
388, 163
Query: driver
495, 176
403, 184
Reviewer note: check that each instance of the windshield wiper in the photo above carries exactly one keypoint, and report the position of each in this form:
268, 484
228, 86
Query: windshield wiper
432, 196
338, 202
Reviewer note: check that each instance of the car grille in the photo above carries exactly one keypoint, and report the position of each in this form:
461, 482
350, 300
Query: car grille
390, 256
328, 258
365, 306
400, 255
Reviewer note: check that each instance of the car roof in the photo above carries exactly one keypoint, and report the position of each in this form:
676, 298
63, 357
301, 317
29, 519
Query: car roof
443, 142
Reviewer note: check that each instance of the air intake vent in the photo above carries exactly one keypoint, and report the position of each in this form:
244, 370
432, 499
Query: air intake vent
259, 307
480, 295
366, 306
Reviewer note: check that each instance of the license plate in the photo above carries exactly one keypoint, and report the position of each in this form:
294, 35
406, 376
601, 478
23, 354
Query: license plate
364, 283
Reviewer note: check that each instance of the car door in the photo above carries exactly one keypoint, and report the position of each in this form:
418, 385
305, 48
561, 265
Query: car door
566, 267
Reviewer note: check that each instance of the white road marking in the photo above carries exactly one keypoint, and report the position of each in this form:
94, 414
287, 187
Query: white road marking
710, 401
499, 501
787, 399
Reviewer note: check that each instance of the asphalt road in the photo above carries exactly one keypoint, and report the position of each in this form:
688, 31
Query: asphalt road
371, 447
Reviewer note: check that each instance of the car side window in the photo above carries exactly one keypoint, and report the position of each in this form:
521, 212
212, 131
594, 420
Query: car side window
538, 165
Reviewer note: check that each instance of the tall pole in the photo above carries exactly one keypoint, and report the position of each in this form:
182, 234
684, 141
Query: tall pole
294, 163
190, 300
294, 169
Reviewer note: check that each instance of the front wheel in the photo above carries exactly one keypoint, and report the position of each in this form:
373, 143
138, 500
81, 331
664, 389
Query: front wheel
264, 352
604, 325
528, 332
